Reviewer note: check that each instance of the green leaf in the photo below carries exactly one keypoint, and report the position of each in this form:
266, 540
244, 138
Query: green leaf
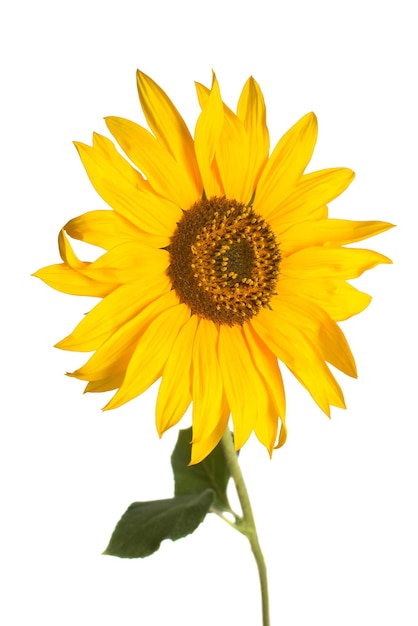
211, 473
145, 525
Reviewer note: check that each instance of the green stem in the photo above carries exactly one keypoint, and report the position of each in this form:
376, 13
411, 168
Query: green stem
248, 525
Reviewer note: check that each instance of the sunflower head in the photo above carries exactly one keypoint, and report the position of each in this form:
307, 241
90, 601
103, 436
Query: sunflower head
219, 260
224, 261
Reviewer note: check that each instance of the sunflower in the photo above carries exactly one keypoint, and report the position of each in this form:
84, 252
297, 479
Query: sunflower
219, 260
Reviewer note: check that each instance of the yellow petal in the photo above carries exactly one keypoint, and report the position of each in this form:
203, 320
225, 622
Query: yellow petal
105, 229
241, 381
337, 297
169, 127
64, 279
280, 224
139, 205
232, 154
203, 94
114, 311
105, 384
321, 232
150, 354
114, 355
319, 328
71, 277
310, 194
232, 151
208, 130
326, 262
251, 111
294, 348
202, 447
285, 165
104, 149
174, 395
266, 424
207, 381
68, 255
127, 263
166, 176
282, 436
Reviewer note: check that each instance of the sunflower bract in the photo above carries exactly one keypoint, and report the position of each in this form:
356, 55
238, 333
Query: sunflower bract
219, 260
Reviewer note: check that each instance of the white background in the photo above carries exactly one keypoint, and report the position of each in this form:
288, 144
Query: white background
336, 507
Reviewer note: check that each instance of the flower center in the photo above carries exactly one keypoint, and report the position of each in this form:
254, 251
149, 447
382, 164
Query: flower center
224, 261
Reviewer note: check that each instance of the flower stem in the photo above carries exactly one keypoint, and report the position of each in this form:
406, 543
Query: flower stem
247, 526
